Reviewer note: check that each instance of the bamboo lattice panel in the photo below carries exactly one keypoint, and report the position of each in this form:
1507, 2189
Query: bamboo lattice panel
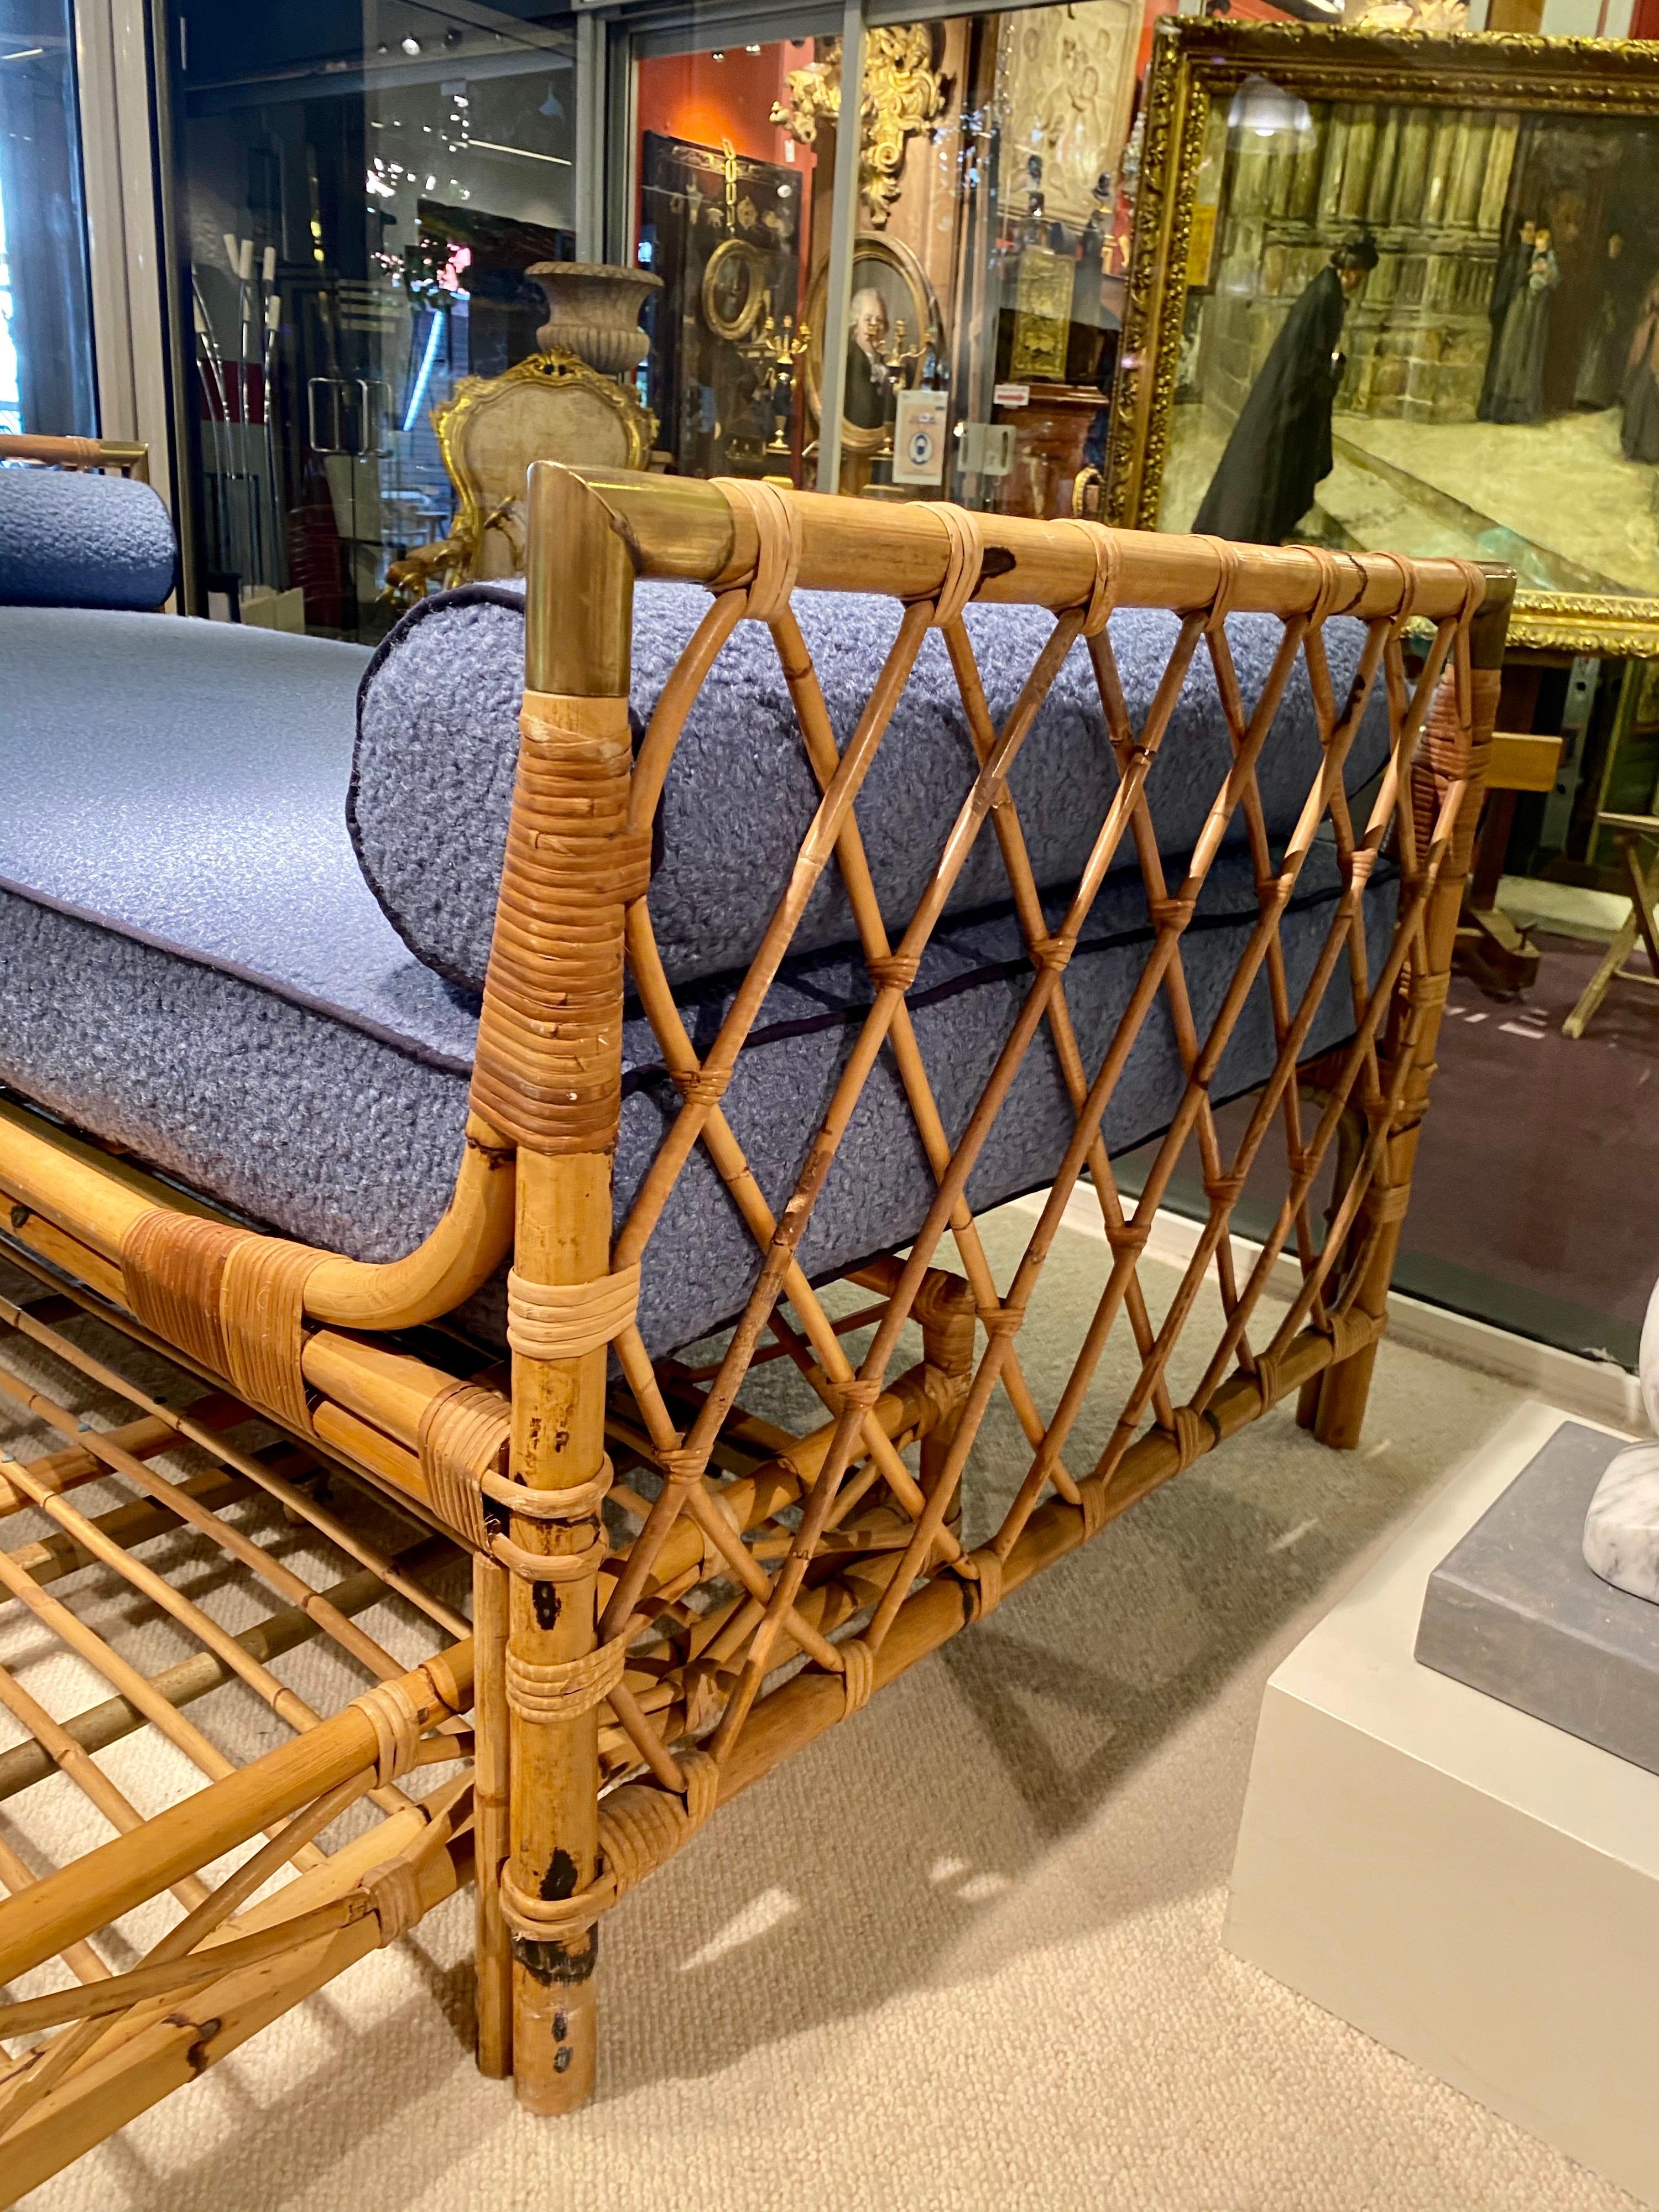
849, 1529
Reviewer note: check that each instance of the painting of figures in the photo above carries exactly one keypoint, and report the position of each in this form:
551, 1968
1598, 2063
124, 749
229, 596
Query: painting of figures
1431, 329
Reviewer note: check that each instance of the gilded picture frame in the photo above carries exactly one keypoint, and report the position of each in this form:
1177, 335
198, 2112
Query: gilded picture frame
888, 266
1196, 77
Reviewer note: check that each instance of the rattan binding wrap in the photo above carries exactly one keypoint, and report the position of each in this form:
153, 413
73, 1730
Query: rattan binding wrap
565, 1321
233, 1300
640, 1830
464, 1433
548, 1072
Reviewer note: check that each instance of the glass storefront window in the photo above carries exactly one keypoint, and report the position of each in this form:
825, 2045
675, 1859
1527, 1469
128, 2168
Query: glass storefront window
361, 212
46, 381
987, 254
728, 214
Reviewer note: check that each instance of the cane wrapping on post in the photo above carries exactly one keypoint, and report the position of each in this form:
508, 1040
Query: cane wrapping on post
548, 1071
463, 1438
641, 1829
966, 559
564, 1320
778, 532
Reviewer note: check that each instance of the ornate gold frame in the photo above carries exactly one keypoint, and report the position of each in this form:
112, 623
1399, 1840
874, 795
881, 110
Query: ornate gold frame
1195, 63
474, 393
734, 328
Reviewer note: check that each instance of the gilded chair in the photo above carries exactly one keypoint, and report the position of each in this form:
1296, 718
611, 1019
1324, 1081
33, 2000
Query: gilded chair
551, 407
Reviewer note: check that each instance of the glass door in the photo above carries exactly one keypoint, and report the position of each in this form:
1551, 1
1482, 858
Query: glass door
1018, 214
360, 205
46, 383
730, 212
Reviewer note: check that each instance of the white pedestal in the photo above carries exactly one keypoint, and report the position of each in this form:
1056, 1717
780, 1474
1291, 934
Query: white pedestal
1472, 1887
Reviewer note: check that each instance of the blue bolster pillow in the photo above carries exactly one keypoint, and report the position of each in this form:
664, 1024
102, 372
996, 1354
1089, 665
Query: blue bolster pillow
437, 742
68, 540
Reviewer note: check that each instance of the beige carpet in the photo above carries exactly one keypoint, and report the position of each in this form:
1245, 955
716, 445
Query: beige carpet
964, 1952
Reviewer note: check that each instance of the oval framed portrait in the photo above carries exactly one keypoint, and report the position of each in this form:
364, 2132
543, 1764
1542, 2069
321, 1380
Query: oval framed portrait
894, 324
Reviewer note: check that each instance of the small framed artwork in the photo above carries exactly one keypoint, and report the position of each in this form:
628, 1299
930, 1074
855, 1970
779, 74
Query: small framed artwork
893, 331
1397, 291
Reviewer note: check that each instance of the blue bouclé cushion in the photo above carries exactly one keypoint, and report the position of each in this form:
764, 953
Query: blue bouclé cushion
82, 541
438, 742
192, 967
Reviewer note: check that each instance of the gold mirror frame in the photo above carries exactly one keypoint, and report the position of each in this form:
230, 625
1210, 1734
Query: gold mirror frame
1196, 63
867, 246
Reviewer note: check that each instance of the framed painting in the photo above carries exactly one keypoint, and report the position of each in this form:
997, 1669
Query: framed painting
1399, 291
893, 335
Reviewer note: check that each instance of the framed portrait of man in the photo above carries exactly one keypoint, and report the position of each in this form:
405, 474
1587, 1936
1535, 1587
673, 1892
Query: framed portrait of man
1401, 292
893, 331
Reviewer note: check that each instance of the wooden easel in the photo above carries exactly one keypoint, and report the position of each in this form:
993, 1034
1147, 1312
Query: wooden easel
1643, 889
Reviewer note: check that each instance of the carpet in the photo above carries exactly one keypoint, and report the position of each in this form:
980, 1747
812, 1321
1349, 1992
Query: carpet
963, 1951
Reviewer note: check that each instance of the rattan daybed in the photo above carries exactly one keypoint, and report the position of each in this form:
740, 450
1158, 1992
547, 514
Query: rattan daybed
873, 912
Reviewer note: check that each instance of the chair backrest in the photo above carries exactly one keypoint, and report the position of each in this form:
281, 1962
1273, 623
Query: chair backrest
552, 407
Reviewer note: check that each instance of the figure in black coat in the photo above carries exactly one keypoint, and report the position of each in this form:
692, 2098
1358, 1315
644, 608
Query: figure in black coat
1280, 447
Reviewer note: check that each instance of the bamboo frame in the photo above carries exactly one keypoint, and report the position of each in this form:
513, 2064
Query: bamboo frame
125, 457
670, 1593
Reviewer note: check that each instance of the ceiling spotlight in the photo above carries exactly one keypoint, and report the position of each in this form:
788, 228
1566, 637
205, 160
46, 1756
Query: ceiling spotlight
751, 50
412, 46
717, 55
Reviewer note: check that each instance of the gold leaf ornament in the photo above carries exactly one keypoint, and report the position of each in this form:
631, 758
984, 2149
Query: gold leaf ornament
902, 93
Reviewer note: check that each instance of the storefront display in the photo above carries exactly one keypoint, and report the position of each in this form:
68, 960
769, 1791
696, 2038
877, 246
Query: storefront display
360, 231
47, 383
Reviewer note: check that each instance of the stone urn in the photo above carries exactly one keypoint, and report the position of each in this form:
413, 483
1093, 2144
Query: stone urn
593, 311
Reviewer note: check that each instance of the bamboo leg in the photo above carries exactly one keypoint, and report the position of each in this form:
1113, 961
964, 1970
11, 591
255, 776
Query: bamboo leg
549, 1060
558, 1440
493, 1946
1444, 755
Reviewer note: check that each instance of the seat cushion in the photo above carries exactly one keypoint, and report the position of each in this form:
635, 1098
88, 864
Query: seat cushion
334, 1127
191, 966
438, 740
68, 540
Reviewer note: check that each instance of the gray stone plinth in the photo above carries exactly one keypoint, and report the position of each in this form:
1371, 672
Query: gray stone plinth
1514, 1611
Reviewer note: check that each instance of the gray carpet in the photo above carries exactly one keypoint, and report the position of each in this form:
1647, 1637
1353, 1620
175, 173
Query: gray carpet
963, 1951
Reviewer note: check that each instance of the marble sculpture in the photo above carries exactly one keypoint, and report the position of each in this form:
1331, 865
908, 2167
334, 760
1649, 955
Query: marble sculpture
1622, 1530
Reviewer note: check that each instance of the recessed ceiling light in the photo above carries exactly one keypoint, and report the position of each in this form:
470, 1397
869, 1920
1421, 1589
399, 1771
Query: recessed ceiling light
411, 46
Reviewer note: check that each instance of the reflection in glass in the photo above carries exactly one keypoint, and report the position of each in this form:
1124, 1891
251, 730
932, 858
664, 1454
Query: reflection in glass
47, 382
990, 250
360, 217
